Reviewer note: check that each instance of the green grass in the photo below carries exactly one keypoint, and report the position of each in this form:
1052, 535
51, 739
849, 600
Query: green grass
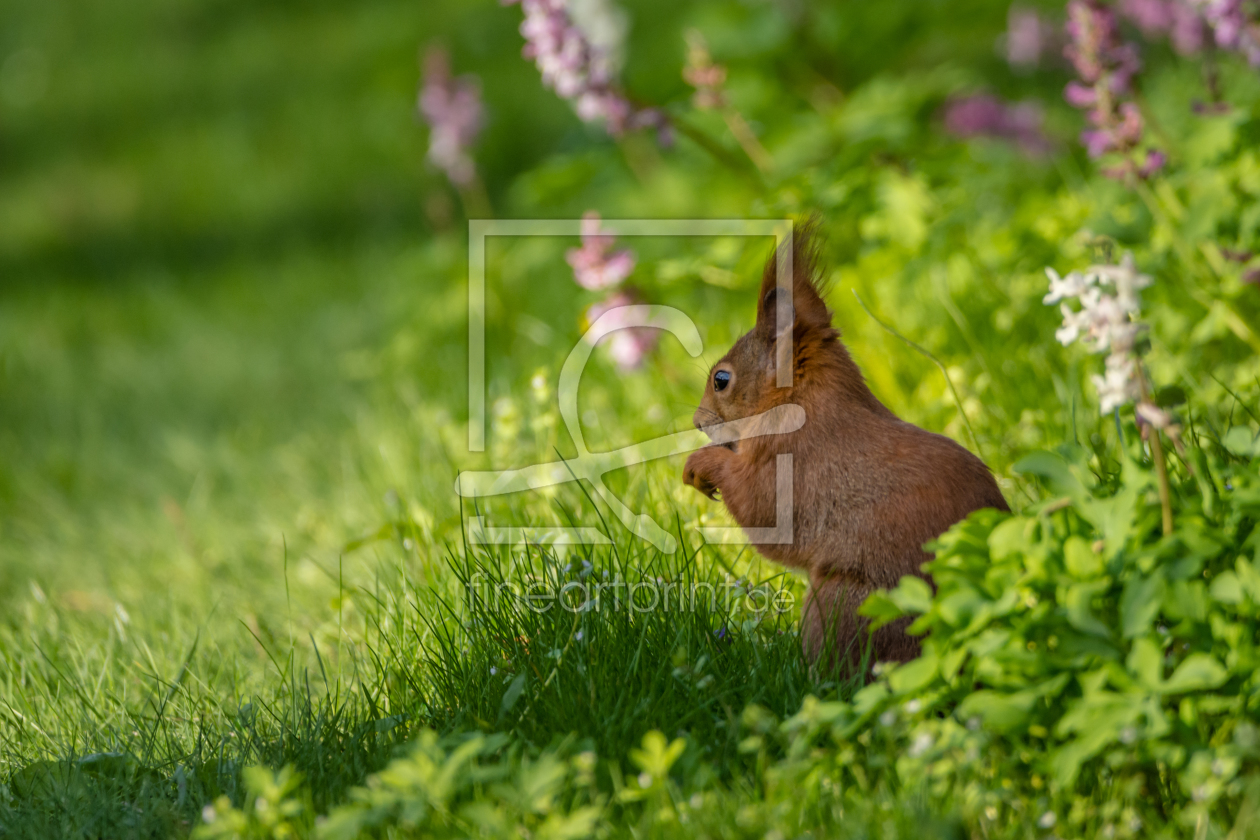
228, 348
233, 379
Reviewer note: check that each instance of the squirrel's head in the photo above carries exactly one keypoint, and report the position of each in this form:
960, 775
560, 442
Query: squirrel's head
794, 328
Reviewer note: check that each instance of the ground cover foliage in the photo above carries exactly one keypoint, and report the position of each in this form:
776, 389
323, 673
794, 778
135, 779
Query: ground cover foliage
238, 594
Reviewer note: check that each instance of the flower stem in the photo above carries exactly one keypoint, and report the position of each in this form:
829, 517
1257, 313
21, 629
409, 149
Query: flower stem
1161, 469
747, 140
721, 155
475, 199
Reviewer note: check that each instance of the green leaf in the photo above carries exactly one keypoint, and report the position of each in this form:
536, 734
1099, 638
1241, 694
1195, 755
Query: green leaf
914, 675
1199, 672
344, 823
1140, 603
1001, 712
512, 694
657, 756
912, 595
1079, 611
1081, 560
576, 825
1010, 538
1146, 663
1054, 470
1240, 441
960, 605
1248, 578
880, 608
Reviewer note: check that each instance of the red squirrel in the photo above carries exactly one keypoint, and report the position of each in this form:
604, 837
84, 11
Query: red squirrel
869, 489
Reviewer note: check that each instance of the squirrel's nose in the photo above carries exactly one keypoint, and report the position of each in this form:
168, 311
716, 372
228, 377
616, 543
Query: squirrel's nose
695, 420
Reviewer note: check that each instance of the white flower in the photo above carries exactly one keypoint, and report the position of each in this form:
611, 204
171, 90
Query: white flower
1073, 324
1119, 384
1154, 415
922, 743
1048, 819
1127, 282
1105, 323
1065, 287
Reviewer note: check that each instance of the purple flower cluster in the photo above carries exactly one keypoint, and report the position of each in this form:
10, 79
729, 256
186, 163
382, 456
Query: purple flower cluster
593, 266
1106, 66
578, 70
987, 116
1095, 48
708, 78
452, 108
596, 266
1177, 19
629, 345
1232, 27
1029, 37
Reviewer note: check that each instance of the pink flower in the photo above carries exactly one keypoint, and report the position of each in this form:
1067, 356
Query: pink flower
593, 266
1155, 416
1233, 28
1187, 33
708, 78
628, 345
1080, 96
578, 70
984, 115
452, 108
1154, 161
1178, 19
1153, 17
1096, 142
1028, 37
1106, 67
1094, 47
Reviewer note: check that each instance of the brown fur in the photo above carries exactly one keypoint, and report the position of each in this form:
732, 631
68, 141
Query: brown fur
869, 489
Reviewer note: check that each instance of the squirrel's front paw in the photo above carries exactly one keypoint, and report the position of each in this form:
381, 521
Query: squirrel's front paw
698, 472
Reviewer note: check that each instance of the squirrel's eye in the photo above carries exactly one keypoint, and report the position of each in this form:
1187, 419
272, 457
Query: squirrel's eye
721, 379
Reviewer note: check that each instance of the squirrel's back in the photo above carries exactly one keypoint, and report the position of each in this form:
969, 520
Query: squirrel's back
869, 490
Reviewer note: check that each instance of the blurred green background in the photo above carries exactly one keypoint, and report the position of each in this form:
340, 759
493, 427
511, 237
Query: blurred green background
223, 257
233, 361
233, 292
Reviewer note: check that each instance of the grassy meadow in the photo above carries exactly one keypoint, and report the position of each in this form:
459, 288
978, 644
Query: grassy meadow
236, 585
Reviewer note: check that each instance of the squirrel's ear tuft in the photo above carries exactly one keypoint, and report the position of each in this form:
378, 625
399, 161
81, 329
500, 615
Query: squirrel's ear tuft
776, 314
805, 306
